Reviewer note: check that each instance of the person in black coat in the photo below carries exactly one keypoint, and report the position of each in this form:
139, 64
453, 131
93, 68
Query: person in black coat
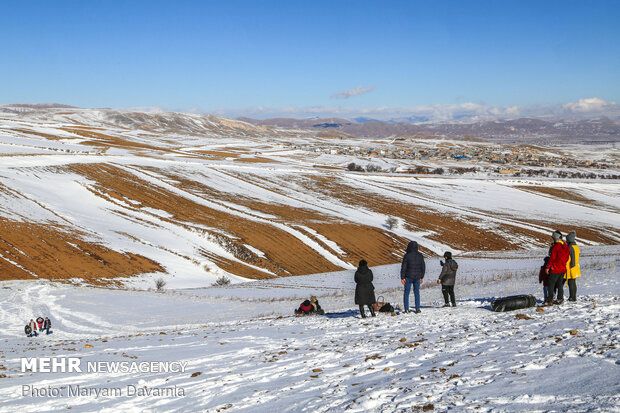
412, 273
364, 290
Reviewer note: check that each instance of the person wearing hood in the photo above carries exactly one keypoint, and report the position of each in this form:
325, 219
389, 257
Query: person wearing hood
364, 289
412, 273
447, 279
572, 267
556, 268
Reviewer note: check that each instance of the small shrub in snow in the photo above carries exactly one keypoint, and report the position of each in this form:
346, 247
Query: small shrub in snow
391, 222
373, 168
221, 282
160, 284
355, 167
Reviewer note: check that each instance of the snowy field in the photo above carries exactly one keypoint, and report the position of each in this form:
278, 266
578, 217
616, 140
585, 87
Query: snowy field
244, 351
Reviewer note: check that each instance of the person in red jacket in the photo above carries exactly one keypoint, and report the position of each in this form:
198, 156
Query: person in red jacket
556, 268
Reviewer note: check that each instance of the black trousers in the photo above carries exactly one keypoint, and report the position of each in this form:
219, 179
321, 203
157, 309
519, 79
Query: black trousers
372, 310
448, 293
572, 289
556, 282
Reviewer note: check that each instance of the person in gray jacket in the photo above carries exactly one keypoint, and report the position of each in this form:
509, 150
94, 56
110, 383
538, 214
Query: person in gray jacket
412, 273
447, 279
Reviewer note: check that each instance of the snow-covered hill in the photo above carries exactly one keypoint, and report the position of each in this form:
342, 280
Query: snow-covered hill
118, 197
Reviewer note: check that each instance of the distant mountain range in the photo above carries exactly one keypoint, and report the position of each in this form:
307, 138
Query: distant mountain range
522, 130
26, 107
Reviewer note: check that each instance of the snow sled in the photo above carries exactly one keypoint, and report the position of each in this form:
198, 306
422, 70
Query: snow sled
514, 302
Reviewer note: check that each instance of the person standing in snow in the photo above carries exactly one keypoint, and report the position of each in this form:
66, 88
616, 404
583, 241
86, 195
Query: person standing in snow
447, 279
412, 273
40, 323
543, 278
556, 268
33, 327
364, 289
28, 330
572, 268
47, 324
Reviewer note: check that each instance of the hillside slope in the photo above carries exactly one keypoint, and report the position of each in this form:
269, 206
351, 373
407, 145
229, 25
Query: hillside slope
99, 195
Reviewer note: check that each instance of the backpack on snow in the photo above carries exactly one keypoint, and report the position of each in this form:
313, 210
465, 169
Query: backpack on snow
28, 329
382, 306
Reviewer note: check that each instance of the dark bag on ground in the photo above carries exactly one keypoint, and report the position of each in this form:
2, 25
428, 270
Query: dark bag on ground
514, 302
387, 308
382, 306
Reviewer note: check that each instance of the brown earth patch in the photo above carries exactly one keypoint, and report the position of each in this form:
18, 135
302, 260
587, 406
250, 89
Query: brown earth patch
233, 267
256, 160
59, 253
41, 134
217, 154
376, 246
330, 168
563, 194
109, 141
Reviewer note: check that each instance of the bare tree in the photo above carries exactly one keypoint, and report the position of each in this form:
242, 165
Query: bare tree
391, 223
160, 284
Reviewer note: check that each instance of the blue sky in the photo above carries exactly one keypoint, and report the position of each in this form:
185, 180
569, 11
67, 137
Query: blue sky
210, 56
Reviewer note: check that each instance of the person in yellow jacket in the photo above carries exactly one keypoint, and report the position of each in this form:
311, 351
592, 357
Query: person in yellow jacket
572, 266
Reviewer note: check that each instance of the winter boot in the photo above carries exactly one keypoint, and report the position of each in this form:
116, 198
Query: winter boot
372, 311
362, 311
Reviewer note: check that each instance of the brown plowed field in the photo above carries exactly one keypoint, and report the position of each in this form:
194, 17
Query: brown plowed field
279, 247
564, 195
56, 254
109, 141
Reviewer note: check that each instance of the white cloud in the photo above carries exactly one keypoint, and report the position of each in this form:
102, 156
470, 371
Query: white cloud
588, 105
346, 94
147, 109
589, 108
